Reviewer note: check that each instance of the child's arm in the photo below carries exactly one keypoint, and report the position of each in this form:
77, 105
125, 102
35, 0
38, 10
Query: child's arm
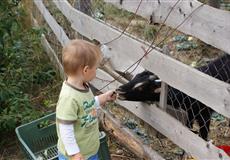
69, 141
105, 97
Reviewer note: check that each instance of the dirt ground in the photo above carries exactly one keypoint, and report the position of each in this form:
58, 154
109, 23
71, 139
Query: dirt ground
10, 149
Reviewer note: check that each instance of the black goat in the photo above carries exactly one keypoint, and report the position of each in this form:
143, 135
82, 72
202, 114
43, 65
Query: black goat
146, 87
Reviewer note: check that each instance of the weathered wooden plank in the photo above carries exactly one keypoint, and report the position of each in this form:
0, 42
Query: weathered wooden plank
50, 52
57, 29
126, 50
53, 57
213, 29
164, 86
165, 124
163, 96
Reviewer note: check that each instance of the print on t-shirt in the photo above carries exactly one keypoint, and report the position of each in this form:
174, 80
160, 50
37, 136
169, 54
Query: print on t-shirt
90, 116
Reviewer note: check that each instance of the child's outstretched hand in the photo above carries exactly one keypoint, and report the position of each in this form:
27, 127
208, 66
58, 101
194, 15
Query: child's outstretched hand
111, 95
77, 156
107, 96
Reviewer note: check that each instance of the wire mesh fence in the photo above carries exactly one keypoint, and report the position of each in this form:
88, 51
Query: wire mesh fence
197, 111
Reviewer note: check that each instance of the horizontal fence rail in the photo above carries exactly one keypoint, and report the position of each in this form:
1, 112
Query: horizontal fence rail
209, 24
57, 29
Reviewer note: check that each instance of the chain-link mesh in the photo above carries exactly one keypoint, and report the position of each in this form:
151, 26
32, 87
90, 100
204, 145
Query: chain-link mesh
197, 111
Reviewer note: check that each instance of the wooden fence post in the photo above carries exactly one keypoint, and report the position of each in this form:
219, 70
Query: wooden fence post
214, 3
164, 86
84, 6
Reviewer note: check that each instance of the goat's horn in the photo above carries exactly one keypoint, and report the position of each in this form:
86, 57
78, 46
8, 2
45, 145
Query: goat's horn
138, 85
152, 77
157, 80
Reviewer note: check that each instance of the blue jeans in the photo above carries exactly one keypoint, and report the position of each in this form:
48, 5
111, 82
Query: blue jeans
62, 157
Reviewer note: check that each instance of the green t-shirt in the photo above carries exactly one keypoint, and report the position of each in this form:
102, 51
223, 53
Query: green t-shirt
78, 107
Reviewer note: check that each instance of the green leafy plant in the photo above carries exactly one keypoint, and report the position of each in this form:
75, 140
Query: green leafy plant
149, 32
22, 69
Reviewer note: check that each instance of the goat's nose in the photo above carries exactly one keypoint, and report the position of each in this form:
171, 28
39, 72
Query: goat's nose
121, 97
120, 94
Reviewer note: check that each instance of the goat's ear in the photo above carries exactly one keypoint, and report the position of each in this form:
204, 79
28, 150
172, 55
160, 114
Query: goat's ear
152, 77
157, 90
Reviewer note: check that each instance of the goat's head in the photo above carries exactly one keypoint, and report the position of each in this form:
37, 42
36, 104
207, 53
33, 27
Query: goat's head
144, 86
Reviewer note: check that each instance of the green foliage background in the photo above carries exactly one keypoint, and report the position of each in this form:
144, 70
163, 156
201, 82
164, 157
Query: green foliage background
24, 69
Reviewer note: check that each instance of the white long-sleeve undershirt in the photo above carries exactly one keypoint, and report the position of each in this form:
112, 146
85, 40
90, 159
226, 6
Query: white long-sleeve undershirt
68, 138
97, 103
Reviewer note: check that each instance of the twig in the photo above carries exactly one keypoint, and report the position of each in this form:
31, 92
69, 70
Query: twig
2, 154
116, 155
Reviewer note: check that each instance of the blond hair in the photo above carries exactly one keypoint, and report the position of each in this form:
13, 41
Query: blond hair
79, 53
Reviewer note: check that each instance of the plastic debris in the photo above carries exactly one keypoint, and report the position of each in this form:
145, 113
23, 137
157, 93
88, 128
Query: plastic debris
140, 133
190, 38
186, 45
193, 64
131, 124
99, 15
225, 148
217, 117
185, 42
178, 151
179, 38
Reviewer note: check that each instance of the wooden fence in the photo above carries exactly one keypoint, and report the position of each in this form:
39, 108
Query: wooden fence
212, 29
